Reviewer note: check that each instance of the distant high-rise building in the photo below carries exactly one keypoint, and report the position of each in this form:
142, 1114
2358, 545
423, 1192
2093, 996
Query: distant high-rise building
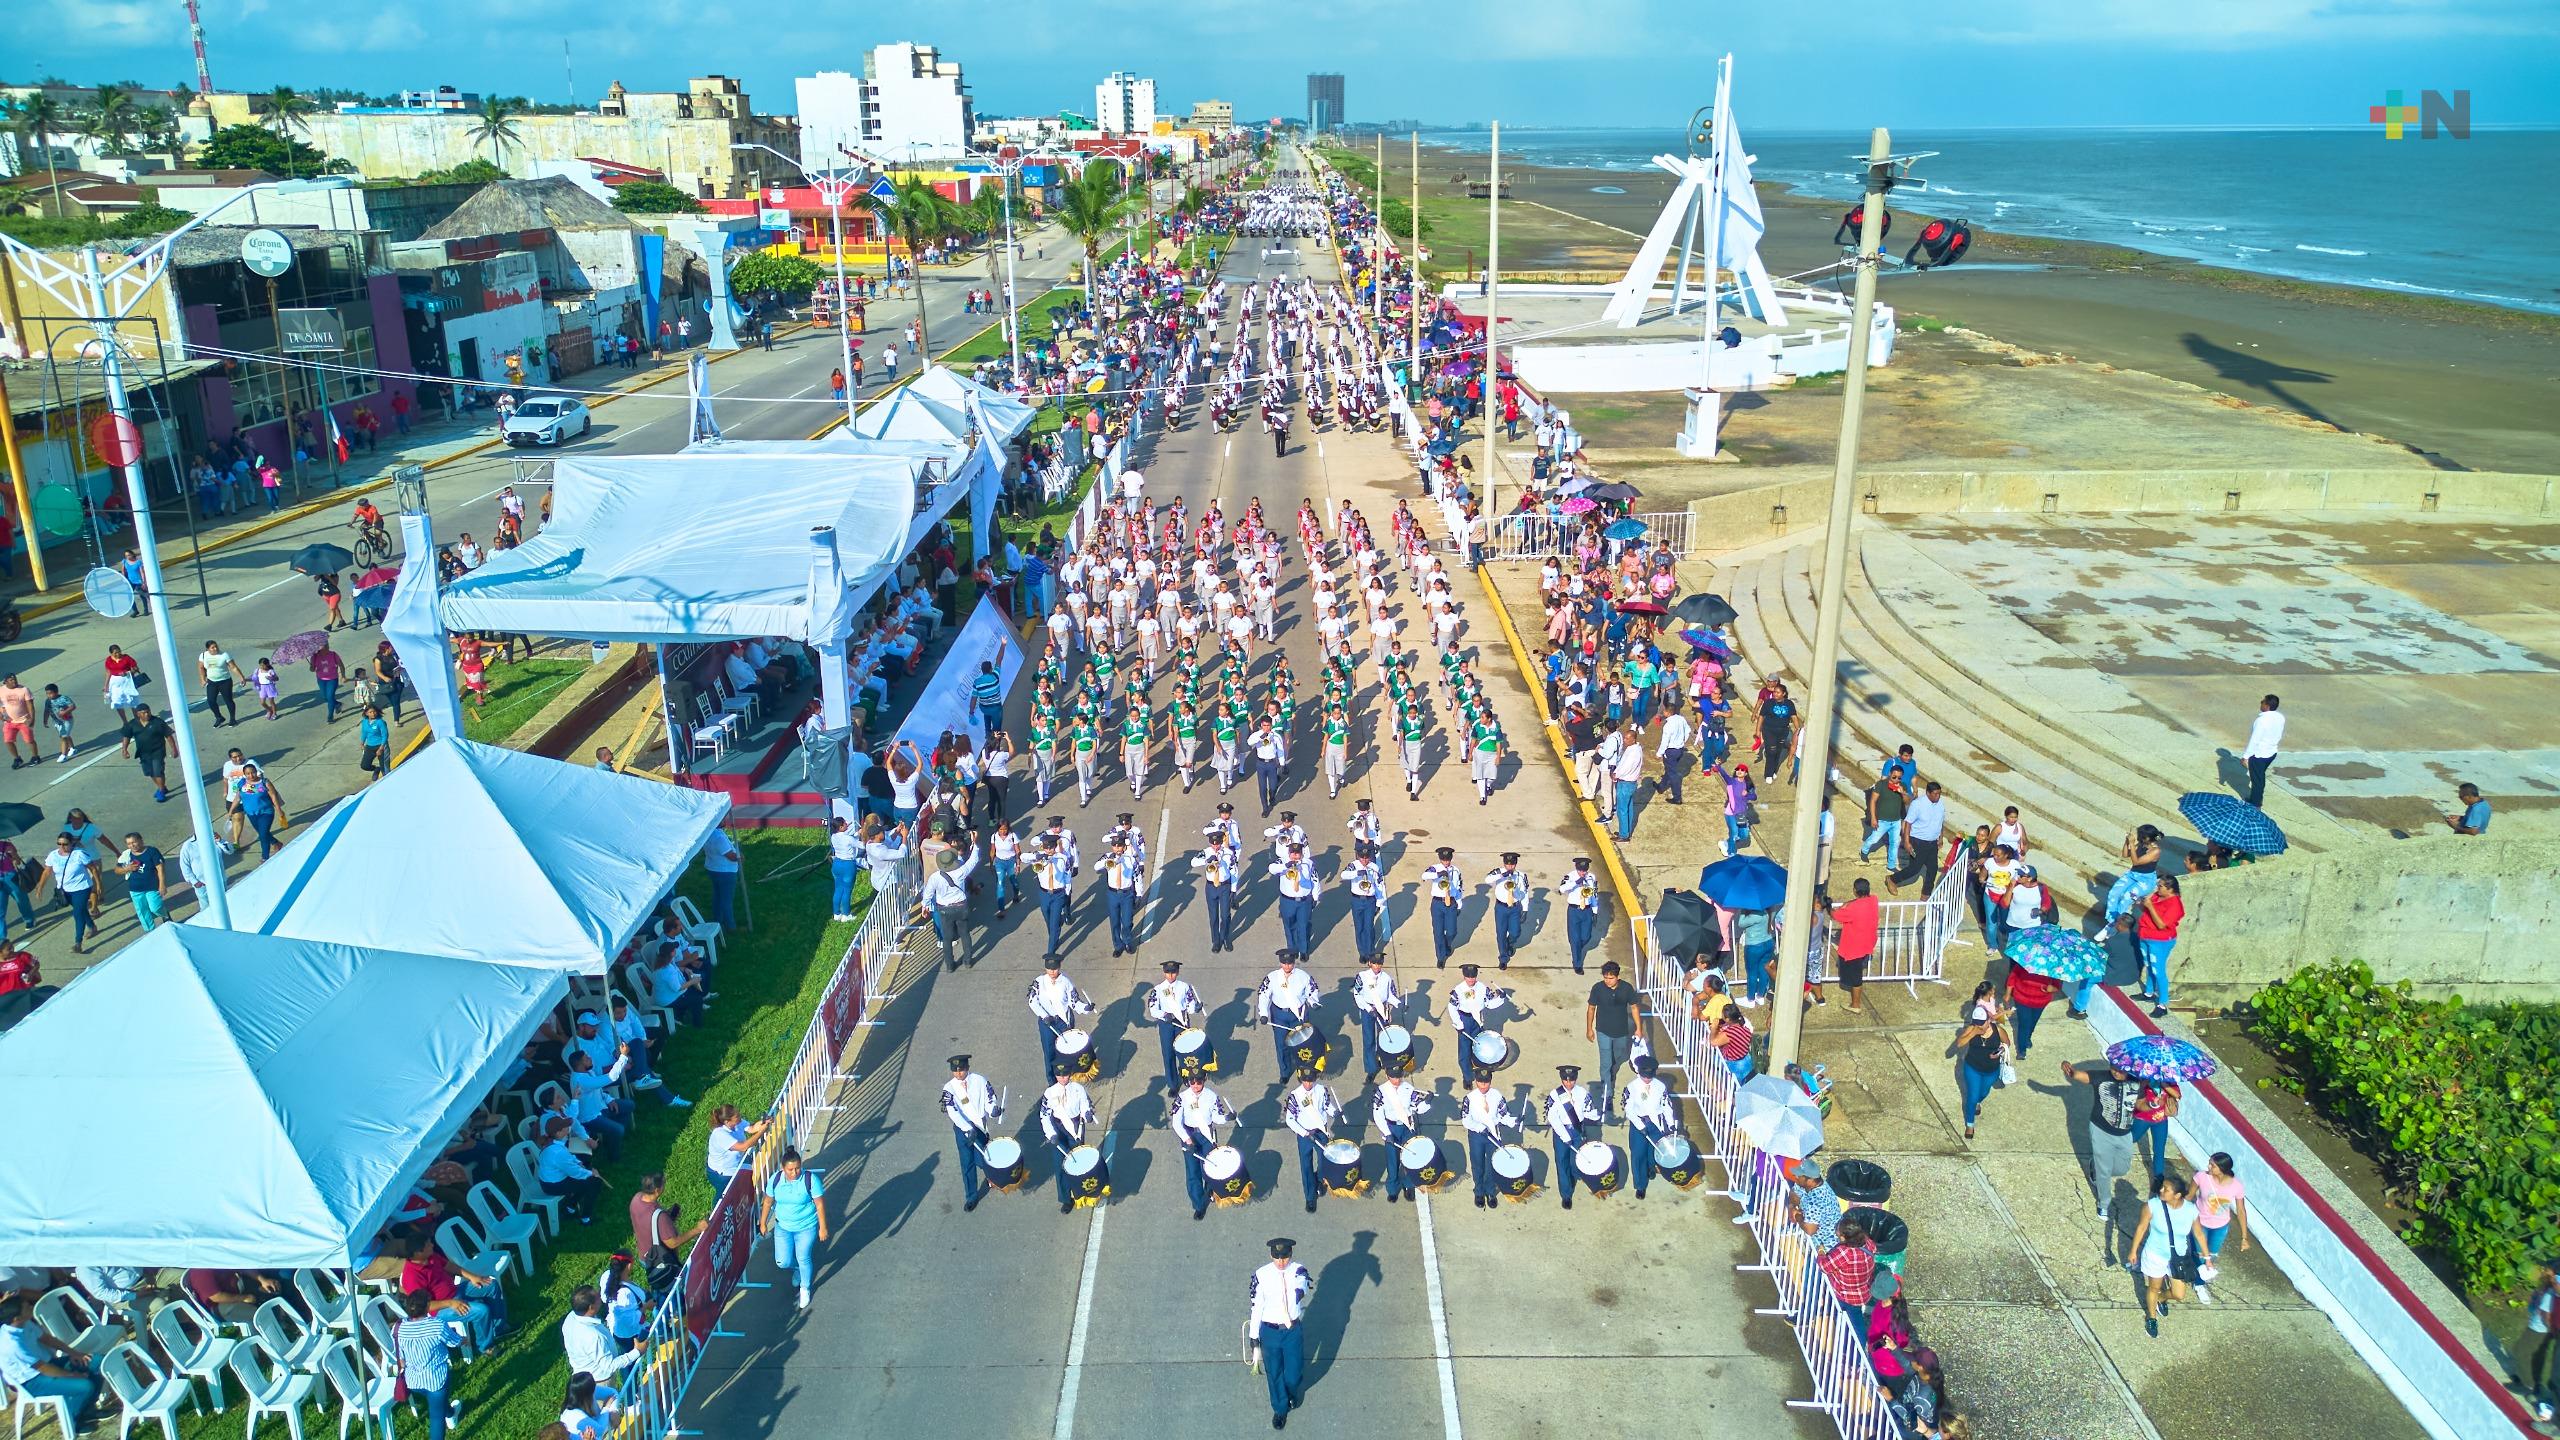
1215, 116
910, 104
1124, 104
1324, 102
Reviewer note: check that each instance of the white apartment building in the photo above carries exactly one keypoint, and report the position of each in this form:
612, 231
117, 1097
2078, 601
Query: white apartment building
908, 104
1124, 104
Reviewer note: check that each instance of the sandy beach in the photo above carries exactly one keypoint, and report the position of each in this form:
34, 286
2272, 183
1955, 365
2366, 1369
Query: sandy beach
2468, 386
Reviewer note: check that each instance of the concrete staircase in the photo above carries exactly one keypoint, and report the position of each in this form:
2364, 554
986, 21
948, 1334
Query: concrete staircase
2075, 753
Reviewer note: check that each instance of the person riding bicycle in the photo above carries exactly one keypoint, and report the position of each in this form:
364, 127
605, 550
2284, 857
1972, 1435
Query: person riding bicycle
373, 541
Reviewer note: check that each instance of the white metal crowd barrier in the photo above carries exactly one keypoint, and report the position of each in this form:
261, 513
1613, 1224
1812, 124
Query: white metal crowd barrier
1541, 537
1835, 1356
688, 1317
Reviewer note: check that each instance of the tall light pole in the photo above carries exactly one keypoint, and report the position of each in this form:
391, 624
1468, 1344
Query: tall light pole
85, 292
1413, 274
1378, 239
1796, 926
1492, 319
1006, 170
832, 187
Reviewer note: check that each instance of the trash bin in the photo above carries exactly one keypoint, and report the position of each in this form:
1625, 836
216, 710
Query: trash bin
1888, 1233
1859, 1182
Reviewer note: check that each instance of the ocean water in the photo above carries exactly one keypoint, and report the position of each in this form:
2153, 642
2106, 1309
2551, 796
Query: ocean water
2342, 206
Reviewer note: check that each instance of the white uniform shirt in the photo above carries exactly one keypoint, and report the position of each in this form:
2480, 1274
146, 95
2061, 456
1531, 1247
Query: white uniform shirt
1277, 1295
1396, 1102
1580, 889
1122, 871
1297, 880
1568, 1109
1647, 1103
1483, 1112
1469, 997
1054, 997
1172, 1000
969, 1103
1442, 880
1375, 991
1363, 878
1197, 1113
1287, 991
1366, 828
1065, 1111
1310, 1109
1508, 885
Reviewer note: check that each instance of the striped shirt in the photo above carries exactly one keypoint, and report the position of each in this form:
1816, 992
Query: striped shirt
986, 689
425, 1345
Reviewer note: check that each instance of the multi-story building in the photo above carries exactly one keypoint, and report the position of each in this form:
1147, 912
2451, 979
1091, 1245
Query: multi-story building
1324, 103
909, 104
1215, 116
1125, 104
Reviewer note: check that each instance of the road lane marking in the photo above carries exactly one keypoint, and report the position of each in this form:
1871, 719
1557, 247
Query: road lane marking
1074, 1377
1439, 1316
74, 770
254, 594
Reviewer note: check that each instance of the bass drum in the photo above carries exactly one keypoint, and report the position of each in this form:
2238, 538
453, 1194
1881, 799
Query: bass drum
1076, 1048
1088, 1175
1338, 1167
1003, 1162
1678, 1161
1420, 1158
1192, 1055
1224, 1169
1602, 1169
1490, 1050
1307, 1047
1395, 1049
1511, 1172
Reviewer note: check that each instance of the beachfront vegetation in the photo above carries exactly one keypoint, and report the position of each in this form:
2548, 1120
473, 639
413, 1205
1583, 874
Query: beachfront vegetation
765, 273
654, 197
2456, 1100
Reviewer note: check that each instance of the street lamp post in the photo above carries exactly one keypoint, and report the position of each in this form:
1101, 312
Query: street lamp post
1006, 171
85, 291
833, 185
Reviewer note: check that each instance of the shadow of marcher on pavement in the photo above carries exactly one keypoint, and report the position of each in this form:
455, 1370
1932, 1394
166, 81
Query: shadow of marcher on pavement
1329, 1312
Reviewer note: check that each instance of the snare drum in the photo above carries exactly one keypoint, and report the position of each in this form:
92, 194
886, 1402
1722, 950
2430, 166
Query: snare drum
1490, 1049
1307, 1047
1192, 1055
1511, 1172
1600, 1166
1338, 1167
1003, 1162
1678, 1161
1223, 1168
1420, 1158
1076, 1048
1395, 1049
1088, 1175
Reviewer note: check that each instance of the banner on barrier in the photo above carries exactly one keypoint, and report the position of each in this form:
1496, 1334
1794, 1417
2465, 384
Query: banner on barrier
719, 1258
840, 1010
945, 704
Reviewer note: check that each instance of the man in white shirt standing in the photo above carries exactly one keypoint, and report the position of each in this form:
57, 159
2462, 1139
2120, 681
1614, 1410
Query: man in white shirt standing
2266, 737
1276, 1306
1625, 770
1925, 823
1674, 745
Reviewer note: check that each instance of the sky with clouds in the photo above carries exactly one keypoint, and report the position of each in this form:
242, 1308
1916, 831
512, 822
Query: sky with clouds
1846, 64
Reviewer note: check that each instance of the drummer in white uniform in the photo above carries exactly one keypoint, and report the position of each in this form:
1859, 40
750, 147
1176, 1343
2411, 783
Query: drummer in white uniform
1310, 1111
1171, 1002
1288, 1000
1394, 1107
1374, 994
1467, 1002
1648, 1109
1569, 1109
1275, 1320
1055, 1002
1198, 1111
973, 1111
1066, 1113
1485, 1116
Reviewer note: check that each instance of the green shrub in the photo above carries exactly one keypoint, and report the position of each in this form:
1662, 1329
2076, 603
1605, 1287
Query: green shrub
2460, 1098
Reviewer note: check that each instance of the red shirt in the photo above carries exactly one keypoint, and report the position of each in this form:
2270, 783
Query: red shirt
1859, 920
1733, 1039
2031, 989
434, 1274
1852, 1272
2172, 909
122, 665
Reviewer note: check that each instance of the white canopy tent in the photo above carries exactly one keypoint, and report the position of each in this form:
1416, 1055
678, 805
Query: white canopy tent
1005, 416
479, 851
215, 1098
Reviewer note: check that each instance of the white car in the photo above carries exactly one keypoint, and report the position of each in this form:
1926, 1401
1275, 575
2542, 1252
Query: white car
549, 420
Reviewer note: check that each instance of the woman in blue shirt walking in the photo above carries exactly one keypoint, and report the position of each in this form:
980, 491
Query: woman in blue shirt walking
795, 1215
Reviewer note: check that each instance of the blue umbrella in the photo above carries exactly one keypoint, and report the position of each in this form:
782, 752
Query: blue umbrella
1745, 882
2066, 955
2232, 821
1624, 529
1707, 640
2161, 1058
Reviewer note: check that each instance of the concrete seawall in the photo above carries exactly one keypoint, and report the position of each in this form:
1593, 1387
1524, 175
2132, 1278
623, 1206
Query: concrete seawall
2447, 913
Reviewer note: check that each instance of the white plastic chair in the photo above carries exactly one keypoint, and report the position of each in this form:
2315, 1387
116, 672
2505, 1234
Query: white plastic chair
463, 1246
60, 1405
520, 1159
502, 1223
144, 1390
67, 1315
705, 933
358, 1395
326, 1298
710, 738
272, 1389
237, 1329
195, 1350
289, 1336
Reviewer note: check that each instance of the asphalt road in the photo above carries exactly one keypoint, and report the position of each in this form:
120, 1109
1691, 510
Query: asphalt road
256, 601
1429, 1318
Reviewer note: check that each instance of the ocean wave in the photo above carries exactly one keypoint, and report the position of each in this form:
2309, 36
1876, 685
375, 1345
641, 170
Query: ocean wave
1608, 190
2326, 250
2251, 249
1947, 190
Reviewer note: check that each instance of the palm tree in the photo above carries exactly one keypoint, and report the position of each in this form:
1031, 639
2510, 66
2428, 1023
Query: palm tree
496, 125
287, 111
111, 120
920, 215
158, 127
1088, 209
38, 119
